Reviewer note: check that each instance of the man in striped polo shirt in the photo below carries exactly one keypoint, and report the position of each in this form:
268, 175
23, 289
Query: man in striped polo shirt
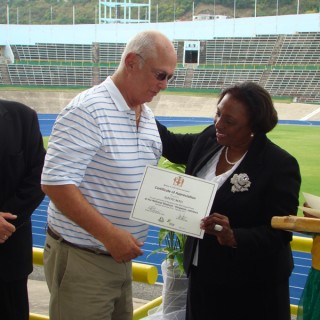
97, 153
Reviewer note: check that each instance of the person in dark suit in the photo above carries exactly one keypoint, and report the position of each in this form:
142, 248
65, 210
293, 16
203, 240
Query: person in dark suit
21, 161
241, 268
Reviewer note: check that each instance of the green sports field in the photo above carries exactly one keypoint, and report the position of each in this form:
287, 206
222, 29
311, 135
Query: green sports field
303, 142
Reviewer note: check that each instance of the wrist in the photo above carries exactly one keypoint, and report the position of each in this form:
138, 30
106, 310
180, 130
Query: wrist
234, 243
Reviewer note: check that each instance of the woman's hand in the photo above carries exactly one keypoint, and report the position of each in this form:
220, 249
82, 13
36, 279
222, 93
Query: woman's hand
218, 225
307, 215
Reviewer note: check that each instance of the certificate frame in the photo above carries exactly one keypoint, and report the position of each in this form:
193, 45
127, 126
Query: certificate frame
174, 201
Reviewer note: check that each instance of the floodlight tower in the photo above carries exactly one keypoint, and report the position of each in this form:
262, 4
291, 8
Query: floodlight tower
124, 11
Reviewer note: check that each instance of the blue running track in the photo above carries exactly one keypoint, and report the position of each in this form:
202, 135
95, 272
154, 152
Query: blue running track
302, 260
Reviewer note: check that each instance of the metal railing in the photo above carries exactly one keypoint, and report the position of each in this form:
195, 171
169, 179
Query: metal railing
148, 274
140, 272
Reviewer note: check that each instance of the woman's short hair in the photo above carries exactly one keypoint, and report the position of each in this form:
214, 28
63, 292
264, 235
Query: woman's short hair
262, 113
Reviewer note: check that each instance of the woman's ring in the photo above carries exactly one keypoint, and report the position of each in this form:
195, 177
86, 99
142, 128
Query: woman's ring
5, 237
218, 227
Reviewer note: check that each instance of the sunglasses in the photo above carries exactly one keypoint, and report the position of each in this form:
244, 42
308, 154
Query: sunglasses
160, 75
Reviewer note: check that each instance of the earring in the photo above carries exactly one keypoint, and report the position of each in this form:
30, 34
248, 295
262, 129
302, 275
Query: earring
252, 135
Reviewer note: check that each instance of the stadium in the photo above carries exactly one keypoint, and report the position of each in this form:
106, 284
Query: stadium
281, 53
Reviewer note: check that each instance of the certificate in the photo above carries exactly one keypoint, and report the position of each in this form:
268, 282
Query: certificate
173, 201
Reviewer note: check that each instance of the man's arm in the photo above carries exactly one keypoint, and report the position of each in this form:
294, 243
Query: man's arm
28, 194
68, 199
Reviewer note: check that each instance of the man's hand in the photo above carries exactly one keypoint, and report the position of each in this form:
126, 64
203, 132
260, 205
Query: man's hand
6, 228
122, 246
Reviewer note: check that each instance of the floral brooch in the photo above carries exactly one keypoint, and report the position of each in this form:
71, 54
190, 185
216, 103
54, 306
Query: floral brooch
240, 182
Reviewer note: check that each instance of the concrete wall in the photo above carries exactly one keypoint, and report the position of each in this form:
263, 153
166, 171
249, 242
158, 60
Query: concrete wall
165, 104
11, 34
41, 101
162, 105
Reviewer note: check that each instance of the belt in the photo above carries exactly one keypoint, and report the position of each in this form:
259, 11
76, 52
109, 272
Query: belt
56, 236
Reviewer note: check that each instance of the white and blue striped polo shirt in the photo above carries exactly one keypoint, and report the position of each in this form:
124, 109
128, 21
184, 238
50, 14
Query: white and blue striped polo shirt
96, 146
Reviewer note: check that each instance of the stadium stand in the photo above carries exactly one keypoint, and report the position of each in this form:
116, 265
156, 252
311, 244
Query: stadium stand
238, 51
301, 84
110, 52
285, 64
222, 77
50, 75
53, 52
301, 48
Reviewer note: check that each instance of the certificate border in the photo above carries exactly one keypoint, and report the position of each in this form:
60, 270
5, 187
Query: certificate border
174, 173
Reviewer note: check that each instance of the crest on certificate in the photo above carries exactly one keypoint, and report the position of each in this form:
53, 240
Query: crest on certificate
178, 181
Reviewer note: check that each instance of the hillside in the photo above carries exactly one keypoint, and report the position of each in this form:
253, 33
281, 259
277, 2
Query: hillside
87, 11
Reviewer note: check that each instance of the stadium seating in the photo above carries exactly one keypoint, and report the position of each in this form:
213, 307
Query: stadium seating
53, 52
239, 51
287, 65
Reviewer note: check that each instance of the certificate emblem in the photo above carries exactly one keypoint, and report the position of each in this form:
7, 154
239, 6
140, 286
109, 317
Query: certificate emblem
178, 181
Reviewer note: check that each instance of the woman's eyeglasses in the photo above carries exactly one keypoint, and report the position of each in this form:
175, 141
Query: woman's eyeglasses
160, 75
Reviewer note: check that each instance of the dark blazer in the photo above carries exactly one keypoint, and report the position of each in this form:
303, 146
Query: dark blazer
263, 254
21, 161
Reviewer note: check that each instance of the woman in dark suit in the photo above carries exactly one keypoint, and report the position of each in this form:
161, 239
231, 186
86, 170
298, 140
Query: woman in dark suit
21, 161
240, 270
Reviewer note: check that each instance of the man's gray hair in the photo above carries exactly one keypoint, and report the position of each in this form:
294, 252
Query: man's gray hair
144, 43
